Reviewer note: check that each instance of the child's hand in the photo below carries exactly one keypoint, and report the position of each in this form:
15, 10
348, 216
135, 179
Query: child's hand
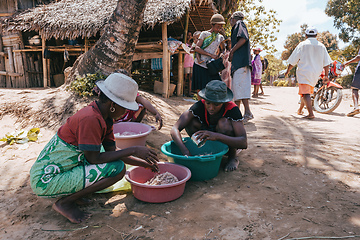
184, 150
204, 135
158, 119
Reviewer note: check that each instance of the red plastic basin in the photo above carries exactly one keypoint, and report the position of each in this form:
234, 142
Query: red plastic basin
138, 138
137, 176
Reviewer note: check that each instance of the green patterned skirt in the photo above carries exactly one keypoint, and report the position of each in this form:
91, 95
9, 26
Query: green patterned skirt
61, 169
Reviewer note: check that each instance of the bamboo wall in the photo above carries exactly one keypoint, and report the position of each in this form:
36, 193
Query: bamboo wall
18, 69
10, 6
14, 66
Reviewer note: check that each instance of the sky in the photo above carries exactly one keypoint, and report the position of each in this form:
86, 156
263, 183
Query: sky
294, 13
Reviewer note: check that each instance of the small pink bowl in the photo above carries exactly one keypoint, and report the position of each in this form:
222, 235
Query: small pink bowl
138, 138
137, 176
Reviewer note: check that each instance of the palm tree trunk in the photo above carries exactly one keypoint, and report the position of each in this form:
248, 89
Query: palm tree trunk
116, 46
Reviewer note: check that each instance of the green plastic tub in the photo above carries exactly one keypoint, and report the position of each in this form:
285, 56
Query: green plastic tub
201, 167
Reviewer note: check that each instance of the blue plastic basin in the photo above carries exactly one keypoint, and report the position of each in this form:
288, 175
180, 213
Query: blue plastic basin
204, 163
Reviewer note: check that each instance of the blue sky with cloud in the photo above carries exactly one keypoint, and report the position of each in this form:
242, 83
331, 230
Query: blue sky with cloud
294, 13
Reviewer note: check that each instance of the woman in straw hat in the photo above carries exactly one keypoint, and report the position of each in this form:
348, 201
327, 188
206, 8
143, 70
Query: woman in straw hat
214, 117
207, 46
82, 158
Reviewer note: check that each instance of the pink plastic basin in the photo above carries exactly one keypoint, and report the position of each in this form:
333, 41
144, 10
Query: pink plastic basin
137, 176
138, 138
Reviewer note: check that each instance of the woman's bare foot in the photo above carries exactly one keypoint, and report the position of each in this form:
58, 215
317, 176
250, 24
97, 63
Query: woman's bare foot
300, 112
70, 211
83, 201
232, 165
309, 117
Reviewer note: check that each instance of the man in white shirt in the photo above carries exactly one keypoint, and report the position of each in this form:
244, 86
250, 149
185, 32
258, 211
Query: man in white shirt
311, 57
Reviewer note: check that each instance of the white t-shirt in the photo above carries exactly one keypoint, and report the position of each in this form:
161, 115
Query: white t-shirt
211, 48
311, 57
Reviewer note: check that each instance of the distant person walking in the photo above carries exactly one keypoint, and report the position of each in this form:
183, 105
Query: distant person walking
355, 86
311, 58
240, 59
265, 64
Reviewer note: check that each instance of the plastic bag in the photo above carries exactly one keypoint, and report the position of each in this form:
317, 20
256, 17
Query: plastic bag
121, 185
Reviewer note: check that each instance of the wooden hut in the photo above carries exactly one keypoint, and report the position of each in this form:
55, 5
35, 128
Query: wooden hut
58, 22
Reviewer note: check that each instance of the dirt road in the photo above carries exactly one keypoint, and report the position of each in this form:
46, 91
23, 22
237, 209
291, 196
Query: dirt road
298, 178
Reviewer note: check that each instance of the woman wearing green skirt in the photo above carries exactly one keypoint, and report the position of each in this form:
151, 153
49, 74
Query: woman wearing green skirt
82, 158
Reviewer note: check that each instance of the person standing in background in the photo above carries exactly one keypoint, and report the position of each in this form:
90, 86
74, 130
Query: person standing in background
265, 64
226, 73
240, 59
256, 72
189, 62
207, 47
355, 86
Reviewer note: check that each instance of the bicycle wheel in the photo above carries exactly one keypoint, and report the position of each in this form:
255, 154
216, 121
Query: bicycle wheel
327, 100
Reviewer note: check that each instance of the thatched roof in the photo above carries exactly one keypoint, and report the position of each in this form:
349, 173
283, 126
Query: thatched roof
69, 19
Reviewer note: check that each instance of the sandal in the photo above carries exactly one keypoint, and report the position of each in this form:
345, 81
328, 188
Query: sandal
308, 117
248, 117
353, 112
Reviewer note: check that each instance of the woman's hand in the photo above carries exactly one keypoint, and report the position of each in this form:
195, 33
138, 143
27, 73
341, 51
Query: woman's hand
231, 54
213, 56
147, 154
152, 167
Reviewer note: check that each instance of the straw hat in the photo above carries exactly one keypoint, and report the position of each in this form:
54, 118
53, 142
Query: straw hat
217, 19
216, 91
120, 89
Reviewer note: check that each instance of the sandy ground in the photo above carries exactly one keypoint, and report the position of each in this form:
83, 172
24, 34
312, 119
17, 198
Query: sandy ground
298, 178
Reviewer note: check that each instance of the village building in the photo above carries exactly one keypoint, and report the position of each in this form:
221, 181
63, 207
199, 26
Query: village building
39, 39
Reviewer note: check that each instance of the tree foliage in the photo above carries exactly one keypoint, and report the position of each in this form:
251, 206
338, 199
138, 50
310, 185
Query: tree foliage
116, 46
262, 24
346, 18
274, 67
225, 7
329, 40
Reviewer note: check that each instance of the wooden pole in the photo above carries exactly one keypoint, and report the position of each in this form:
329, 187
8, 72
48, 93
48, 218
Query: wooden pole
86, 44
11, 68
45, 70
180, 85
19, 68
2, 64
48, 71
3, 73
165, 61
186, 27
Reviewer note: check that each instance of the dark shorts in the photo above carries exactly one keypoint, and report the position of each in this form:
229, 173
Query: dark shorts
356, 80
